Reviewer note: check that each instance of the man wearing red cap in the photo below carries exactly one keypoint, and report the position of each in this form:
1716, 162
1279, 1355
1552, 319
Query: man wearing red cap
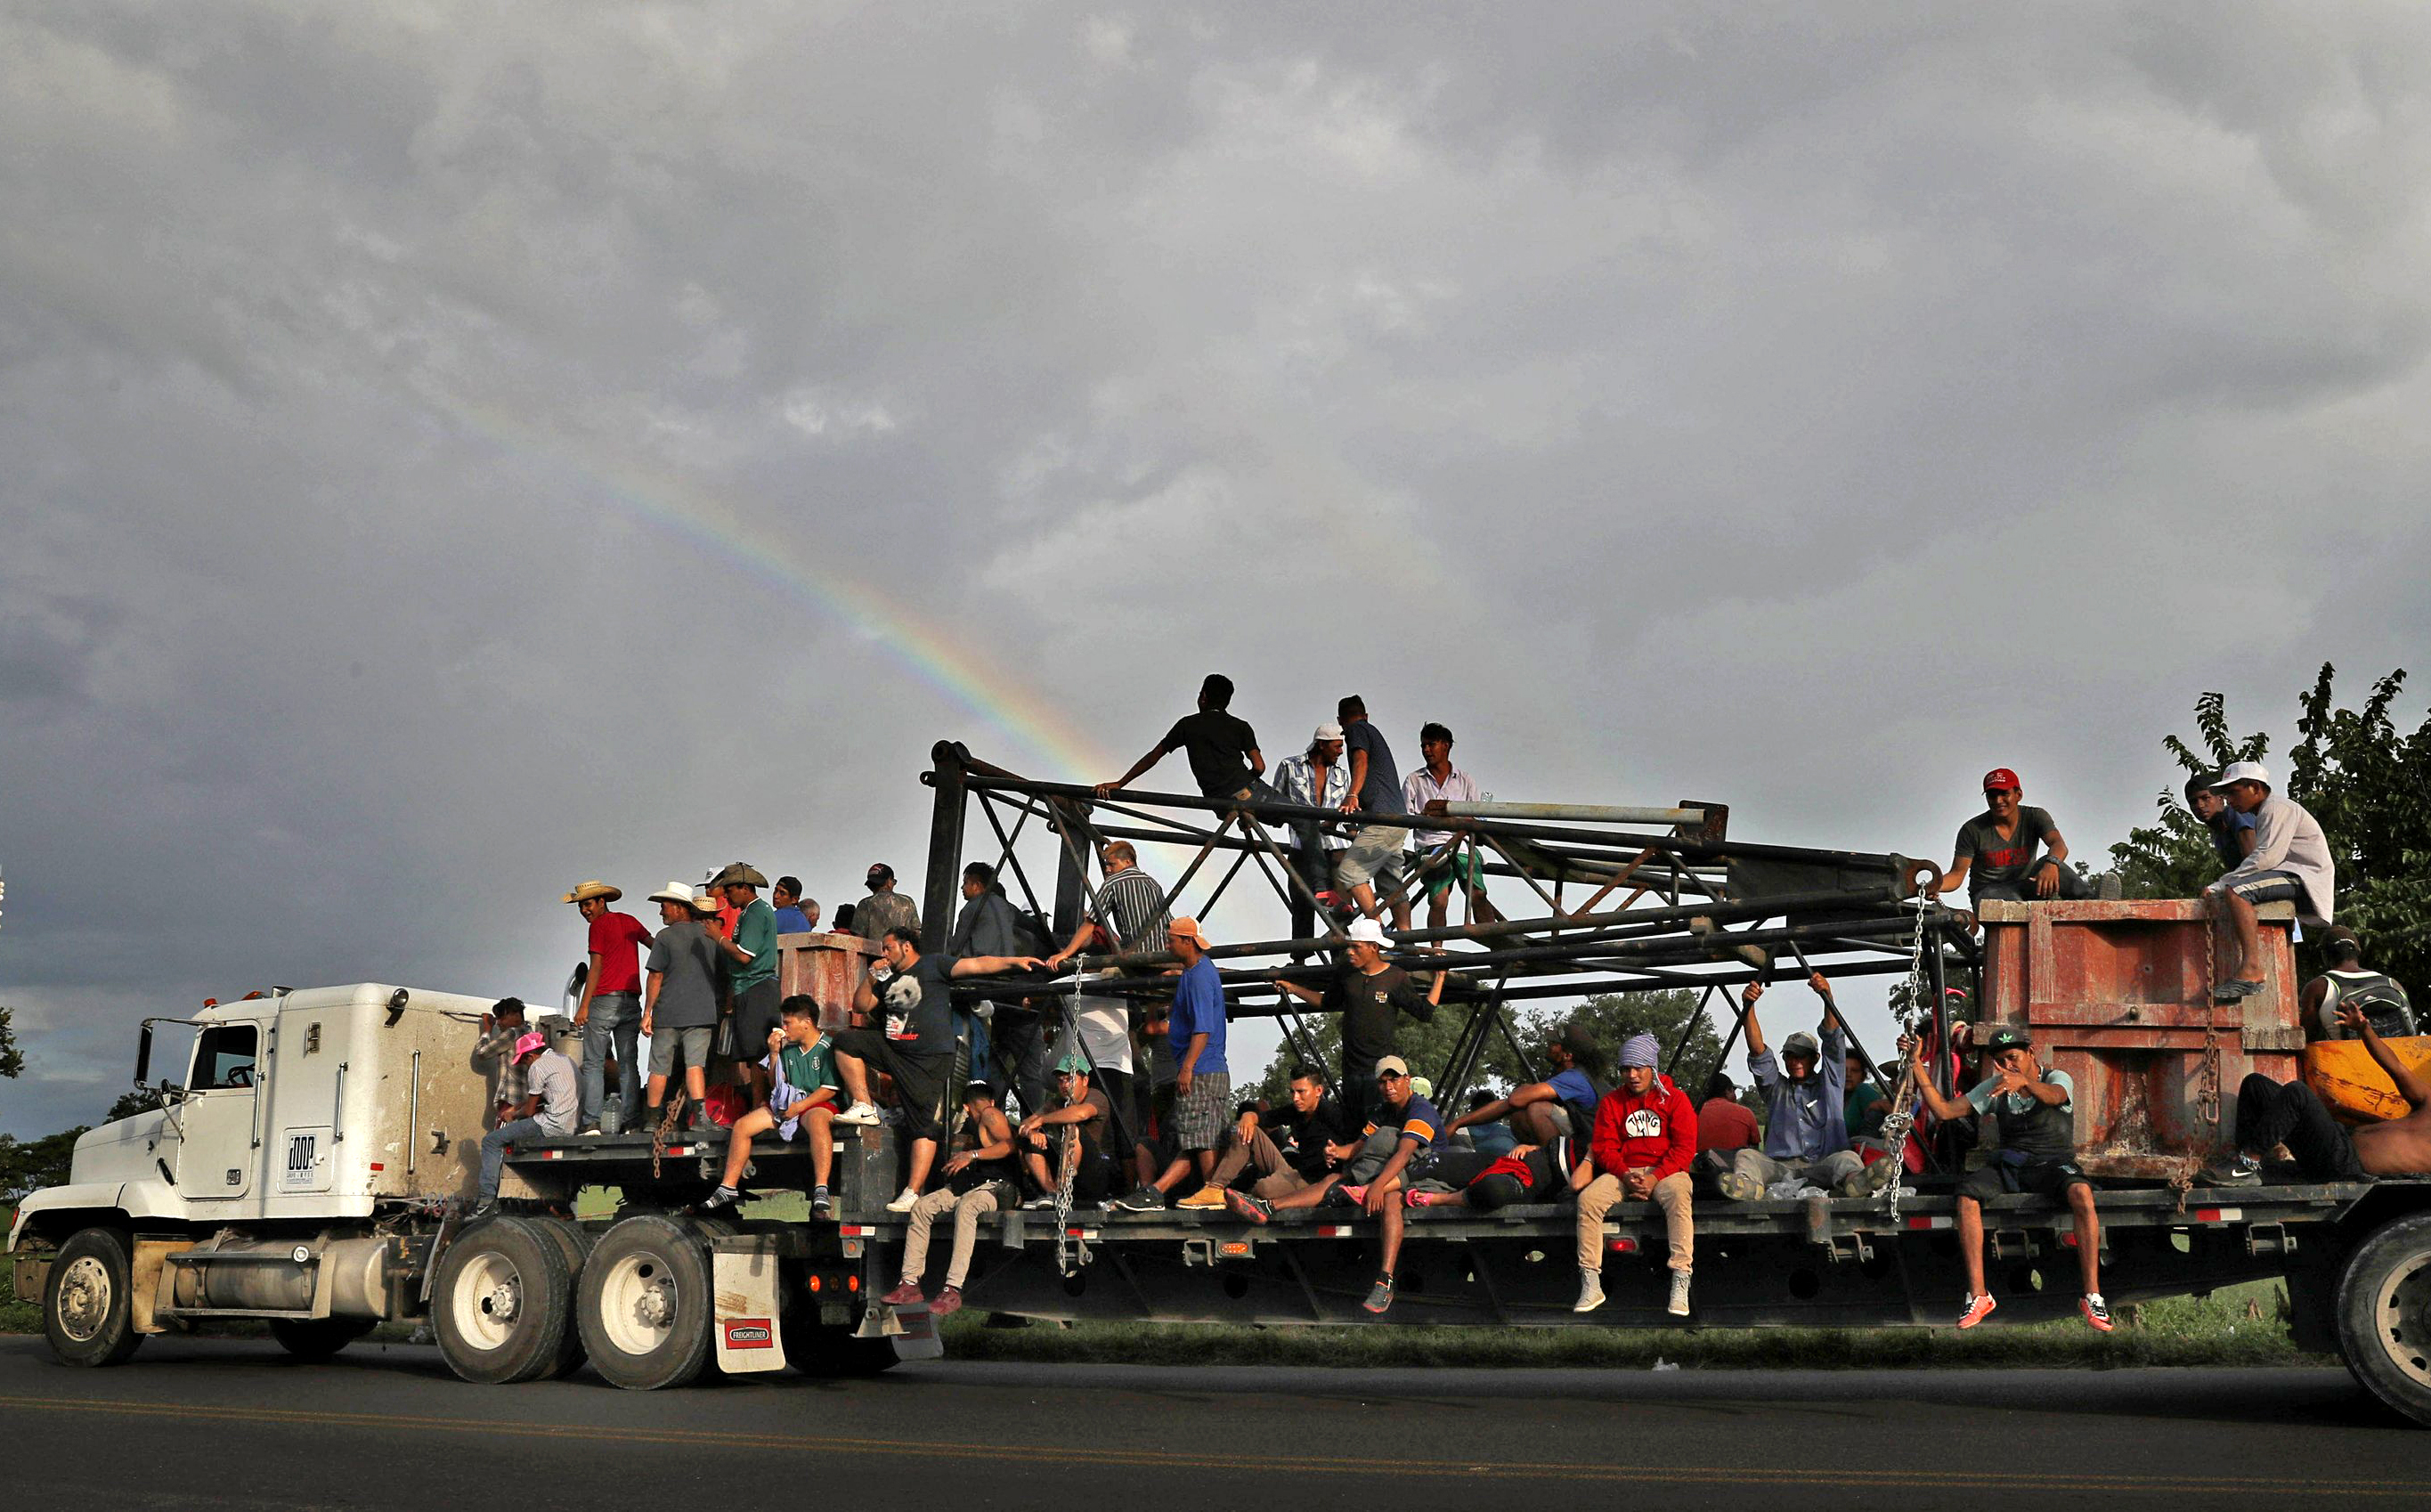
1995, 856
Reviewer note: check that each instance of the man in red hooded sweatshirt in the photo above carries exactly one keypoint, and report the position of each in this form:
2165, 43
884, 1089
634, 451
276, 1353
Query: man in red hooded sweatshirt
1645, 1136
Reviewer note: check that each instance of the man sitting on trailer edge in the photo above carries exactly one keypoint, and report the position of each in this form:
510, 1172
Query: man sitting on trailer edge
547, 1113
2270, 1113
1403, 1124
915, 1046
1645, 1136
2037, 1154
1561, 1106
1995, 854
978, 1181
2290, 863
1286, 1147
1075, 1131
803, 1098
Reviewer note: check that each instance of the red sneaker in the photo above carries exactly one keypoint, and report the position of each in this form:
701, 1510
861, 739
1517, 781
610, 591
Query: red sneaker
949, 1303
1978, 1309
903, 1295
2095, 1311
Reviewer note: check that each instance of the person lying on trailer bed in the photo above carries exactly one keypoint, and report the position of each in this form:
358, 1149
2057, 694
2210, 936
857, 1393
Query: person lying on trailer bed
1401, 1126
1473, 1179
2270, 1113
1084, 1114
803, 1101
2037, 1154
980, 1180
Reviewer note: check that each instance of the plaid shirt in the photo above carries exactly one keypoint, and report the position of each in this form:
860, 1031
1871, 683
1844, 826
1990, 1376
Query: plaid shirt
505, 1077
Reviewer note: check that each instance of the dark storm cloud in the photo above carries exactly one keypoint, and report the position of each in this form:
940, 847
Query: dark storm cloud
436, 437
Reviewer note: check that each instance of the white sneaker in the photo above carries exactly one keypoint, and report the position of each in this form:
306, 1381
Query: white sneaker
1678, 1306
1591, 1291
860, 1112
904, 1200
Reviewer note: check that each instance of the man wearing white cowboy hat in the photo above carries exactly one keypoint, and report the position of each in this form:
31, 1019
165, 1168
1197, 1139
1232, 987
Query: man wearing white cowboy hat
551, 1106
610, 1015
681, 1008
750, 960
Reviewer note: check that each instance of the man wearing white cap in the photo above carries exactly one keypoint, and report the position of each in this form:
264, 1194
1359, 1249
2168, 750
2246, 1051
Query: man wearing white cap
1368, 994
1316, 777
610, 1016
2290, 864
550, 1104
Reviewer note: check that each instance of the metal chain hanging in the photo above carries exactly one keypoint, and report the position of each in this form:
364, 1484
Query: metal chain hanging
1071, 1251
1903, 1115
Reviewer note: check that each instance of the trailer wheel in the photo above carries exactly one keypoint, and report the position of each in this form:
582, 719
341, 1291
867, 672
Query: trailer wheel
576, 1241
645, 1304
317, 1339
87, 1312
2384, 1315
500, 1302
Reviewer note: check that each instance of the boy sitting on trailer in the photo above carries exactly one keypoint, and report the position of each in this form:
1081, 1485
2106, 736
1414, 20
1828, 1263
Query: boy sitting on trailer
803, 1097
1401, 1126
2037, 1154
1045, 1140
978, 1181
1645, 1136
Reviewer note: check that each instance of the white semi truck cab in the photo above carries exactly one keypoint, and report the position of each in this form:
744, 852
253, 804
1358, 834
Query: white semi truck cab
311, 1169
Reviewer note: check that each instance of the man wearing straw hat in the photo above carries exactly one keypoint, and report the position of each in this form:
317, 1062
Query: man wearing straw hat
610, 1016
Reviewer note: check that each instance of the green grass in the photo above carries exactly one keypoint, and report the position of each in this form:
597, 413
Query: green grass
2182, 1331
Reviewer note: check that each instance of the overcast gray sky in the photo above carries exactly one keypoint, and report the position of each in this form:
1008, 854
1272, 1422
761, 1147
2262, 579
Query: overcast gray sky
454, 451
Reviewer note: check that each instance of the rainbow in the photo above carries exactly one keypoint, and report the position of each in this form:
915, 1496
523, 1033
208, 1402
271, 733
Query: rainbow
927, 648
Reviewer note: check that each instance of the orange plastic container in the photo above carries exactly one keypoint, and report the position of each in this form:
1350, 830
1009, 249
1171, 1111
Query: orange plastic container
2352, 1084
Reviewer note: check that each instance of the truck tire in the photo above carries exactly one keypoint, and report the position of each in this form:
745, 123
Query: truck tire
498, 1303
87, 1305
644, 1305
317, 1339
575, 1240
2384, 1315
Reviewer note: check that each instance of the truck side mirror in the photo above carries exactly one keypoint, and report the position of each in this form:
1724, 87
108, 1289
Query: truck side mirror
143, 1056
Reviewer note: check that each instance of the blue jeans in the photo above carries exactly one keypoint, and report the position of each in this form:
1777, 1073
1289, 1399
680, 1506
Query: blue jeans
493, 1150
615, 1018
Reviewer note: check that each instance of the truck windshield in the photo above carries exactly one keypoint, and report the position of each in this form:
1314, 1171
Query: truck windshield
223, 1057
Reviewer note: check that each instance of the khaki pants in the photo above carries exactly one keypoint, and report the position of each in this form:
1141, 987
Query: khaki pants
1671, 1194
966, 1208
1275, 1178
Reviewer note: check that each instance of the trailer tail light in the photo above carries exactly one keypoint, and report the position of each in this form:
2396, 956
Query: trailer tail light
1233, 1248
1622, 1246
817, 1280
852, 1284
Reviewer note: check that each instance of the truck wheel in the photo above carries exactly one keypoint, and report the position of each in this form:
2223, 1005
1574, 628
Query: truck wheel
498, 1303
645, 1304
317, 1339
576, 1241
2384, 1315
86, 1308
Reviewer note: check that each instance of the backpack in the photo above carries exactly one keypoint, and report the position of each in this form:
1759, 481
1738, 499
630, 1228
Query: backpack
2383, 1001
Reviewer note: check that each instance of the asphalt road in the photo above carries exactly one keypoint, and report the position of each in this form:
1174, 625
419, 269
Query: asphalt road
237, 1424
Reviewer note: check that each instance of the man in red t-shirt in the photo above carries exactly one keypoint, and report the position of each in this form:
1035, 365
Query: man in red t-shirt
610, 1014
1724, 1122
1645, 1136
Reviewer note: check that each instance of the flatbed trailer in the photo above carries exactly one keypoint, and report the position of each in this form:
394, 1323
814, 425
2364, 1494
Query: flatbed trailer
2356, 1258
